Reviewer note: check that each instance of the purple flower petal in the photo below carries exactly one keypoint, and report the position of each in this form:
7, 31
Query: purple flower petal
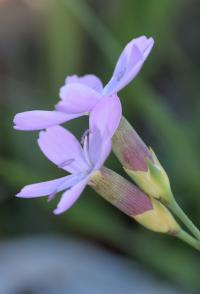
99, 148
104, 120
105, 150
91, 81
106, 115
144, 44
77, 98
129, 64
43, 188
72, 180
39, 119
60, 146
70, 196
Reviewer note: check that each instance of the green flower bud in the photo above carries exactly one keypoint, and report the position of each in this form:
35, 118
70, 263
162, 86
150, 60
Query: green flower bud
141, 163
159, 219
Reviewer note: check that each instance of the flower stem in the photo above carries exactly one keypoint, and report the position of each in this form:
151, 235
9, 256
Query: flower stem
184, 236
177, 210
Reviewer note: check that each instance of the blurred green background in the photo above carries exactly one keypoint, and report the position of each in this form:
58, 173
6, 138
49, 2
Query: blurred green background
41, 42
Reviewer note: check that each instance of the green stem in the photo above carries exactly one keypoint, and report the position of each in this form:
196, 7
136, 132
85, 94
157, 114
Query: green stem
184, 218
188, 239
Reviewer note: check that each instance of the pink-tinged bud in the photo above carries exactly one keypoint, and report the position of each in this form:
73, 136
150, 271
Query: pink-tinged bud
129, 147
159, 219
141, 163
120, 192
132, 201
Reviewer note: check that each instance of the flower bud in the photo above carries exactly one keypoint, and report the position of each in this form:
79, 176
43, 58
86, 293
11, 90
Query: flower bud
159, 219
141, 163
132, 201
129, 147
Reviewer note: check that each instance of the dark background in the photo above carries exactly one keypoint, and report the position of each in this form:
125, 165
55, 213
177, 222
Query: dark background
41, 42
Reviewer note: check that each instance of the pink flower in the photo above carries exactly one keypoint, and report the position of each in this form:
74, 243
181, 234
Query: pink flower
129, 64
64, 150
79, 95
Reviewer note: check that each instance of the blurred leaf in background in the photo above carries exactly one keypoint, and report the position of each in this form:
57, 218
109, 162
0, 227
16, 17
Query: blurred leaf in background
41, 42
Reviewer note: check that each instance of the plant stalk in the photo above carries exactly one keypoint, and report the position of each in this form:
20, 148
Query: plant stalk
177, 210
184, 236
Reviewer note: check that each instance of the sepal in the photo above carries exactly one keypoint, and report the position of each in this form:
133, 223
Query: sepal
159, 219
154, 181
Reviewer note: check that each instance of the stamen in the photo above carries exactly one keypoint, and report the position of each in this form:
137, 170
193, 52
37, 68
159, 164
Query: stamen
86, 143
85, 135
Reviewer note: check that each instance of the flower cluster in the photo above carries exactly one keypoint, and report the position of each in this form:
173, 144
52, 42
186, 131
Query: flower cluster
81, 96
108, 130
81, 161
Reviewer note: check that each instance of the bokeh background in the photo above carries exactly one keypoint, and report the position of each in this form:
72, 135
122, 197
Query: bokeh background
43, 41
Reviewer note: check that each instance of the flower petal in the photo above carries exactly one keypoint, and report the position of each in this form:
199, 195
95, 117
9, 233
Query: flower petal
99, 148
63, 149
70, 196
106, 115
144, 44
77, 98
129, 64
103, 121
39, 119
91, 81
71, 181
43, 188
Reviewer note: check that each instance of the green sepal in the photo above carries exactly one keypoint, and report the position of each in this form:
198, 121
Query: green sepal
154, 181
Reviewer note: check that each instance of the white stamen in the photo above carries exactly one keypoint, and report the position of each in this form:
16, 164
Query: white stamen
86, 147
